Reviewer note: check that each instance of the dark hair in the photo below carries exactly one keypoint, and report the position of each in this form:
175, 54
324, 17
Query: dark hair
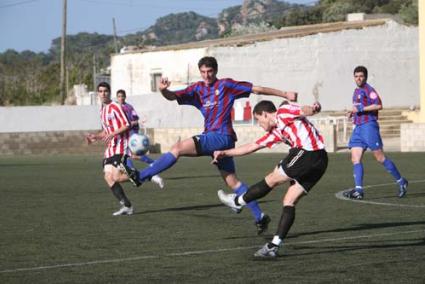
361, 69
105, 85
121, 91
208, 61
266, 106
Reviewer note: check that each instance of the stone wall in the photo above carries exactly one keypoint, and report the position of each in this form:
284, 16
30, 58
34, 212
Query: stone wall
73, 142
52, 142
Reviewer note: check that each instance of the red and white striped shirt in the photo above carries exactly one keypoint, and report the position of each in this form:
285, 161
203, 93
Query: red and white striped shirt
113, 117
293, 129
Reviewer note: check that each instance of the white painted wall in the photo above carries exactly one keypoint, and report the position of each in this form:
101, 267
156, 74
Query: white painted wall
48, 118
327, 60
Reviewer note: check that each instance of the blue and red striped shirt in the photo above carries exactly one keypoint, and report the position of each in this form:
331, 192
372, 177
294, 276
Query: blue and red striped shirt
215, 101
365, 96
131, 114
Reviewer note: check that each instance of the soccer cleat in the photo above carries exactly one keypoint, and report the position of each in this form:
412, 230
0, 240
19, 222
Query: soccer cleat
228, 199
132, 174
124, 210
269, 250
353, 194
403, 187
263, 224
156, 179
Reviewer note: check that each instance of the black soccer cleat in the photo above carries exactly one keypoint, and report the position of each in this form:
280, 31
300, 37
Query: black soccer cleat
132, 174
263, 224
353, 194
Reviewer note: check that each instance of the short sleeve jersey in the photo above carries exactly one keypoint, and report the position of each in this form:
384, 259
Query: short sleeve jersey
365, 96
131, 114
113, 117
215, 101
294, 129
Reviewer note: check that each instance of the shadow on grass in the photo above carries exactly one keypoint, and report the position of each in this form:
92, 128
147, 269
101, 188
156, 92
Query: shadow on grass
360, 227
187, 208
191, 177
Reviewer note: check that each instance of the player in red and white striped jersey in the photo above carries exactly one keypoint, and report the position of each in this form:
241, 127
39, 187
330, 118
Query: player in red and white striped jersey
115, 134
302, 167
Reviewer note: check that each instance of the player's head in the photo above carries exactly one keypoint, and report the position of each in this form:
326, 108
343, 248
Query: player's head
104, 92
208, 68
264, 112
360, 75
121, 96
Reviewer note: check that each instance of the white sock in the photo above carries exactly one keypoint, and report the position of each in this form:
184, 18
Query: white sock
276, 240
241, 201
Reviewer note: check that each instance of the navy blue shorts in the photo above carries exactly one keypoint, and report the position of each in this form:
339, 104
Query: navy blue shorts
366, 136
207, 143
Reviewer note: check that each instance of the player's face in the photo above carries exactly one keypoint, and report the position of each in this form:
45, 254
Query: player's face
264, 120
208, 74
103, 94
360, 79
121, 98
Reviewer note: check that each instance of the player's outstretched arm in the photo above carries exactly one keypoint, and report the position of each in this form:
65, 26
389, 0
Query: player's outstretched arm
289, 95
93, 137
163, 88
239, 151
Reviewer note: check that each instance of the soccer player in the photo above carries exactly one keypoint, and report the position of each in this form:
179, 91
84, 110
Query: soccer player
364, 114
133, 118
214, 98
303, 167
115, 134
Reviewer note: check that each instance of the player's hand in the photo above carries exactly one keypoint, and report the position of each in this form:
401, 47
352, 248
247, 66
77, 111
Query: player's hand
134, 157
90, 138
349, 114
217, 155
292, 96
317, 107
107, 138
164, 83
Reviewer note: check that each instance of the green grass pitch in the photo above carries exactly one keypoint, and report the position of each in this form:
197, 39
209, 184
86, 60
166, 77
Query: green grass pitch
56, 226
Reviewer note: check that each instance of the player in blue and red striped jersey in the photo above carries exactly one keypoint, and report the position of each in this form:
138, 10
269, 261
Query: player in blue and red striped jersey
214, 98
364, 113
133, 118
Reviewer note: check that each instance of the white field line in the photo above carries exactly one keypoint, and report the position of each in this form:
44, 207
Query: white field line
198, 252
340, 196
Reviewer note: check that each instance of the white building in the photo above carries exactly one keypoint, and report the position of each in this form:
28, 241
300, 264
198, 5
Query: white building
307, 58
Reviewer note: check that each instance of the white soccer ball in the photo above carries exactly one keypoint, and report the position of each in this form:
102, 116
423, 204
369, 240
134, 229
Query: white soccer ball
139, 144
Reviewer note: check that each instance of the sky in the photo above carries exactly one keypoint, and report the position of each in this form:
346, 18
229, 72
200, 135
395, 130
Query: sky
33, 24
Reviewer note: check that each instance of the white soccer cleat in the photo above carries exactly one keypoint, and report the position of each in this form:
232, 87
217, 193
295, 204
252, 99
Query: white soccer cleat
124, 211
267, 251
156, 179
228, 199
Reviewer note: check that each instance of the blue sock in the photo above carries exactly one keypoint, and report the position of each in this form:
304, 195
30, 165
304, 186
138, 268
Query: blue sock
392, 169
161, 164
130, 164
146, 159
253, 205
358, 176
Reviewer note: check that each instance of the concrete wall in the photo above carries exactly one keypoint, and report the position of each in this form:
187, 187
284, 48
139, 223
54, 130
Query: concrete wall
48, 118
324, 61
412, 137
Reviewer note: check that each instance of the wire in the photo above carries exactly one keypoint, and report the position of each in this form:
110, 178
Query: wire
17, 3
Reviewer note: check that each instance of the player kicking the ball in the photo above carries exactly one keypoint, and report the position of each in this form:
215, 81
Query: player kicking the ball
302, 168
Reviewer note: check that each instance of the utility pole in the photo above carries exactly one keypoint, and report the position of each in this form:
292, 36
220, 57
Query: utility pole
63, 55
115, 35
94, 72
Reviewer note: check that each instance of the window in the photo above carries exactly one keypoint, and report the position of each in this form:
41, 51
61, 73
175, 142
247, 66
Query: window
155, 79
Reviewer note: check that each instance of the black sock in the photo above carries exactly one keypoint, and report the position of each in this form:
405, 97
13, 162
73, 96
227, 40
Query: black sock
118, 192
257, 191
286, 221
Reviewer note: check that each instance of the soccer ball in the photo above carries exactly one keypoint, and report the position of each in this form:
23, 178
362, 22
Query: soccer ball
139, 144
